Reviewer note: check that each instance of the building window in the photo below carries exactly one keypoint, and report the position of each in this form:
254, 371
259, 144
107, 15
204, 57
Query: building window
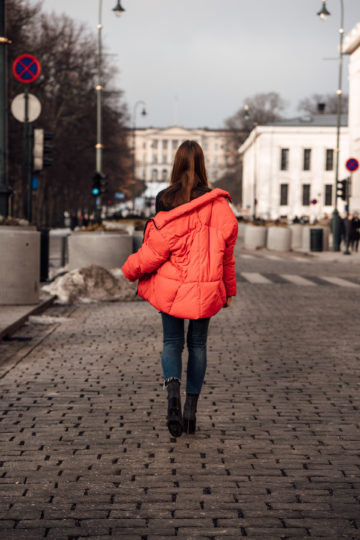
328, 194
215, 175
284, 188
306, 195
284, 161
175, 144
164, 175
329, 165
144, 145
216, 160
216, 147
154, 143
154, 158
154, 175
164, 144
307, 159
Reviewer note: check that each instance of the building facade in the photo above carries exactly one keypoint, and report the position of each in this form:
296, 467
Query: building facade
352, 47
155, 150
289, 167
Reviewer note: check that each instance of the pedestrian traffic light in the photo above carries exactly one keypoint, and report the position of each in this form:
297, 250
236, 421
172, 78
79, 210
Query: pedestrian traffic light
96, 184
342, 189
42, 151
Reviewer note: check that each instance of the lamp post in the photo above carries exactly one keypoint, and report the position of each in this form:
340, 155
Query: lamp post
335, 222
4, 188
143, 113
118, 10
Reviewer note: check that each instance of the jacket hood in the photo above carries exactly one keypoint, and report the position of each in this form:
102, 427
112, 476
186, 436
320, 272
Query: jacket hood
162, 218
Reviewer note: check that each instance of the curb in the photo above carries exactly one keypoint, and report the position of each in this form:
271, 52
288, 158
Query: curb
34, 311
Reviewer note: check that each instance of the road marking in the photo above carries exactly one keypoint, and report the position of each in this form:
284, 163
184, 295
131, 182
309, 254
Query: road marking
254, 277
300, 259
298, 280
272, 257
246, 256
339, 281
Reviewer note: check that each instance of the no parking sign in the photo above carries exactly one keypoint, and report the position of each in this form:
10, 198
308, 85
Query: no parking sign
26, 68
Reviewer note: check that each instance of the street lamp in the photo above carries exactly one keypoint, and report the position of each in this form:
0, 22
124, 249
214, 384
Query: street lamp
143, 113
323, 14
118, 10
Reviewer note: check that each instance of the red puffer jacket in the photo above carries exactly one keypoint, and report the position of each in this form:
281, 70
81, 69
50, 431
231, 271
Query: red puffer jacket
186, 264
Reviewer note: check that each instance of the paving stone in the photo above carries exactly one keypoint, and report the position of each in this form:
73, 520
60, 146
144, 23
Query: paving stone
84, 448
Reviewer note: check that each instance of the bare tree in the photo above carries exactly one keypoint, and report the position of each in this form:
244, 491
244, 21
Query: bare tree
310, 103
257, 110
67, 52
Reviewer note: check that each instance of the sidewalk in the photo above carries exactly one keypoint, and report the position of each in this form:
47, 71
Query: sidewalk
13, 317
85, 452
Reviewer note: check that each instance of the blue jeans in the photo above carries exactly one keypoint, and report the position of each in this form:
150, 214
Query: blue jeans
174, 344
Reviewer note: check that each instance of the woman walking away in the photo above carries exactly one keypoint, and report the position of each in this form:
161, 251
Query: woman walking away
186, 270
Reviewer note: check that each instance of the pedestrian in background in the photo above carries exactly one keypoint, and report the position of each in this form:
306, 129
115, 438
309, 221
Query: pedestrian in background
355, 232
186, 270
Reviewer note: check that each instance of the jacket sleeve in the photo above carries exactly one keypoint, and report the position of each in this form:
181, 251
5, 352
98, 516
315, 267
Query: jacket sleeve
152, 254
229, 276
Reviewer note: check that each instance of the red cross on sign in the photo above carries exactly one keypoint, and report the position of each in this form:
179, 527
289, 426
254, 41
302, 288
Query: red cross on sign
26, 68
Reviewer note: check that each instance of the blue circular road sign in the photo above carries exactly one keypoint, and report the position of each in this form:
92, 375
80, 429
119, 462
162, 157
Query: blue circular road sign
26, 68
352, 164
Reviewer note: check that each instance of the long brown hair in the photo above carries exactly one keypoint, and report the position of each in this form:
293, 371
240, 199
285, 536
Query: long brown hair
188, 177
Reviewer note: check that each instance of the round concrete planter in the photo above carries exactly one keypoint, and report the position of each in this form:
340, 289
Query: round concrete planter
109, 250
241, 233
255, 237
137, 240
306, 237
296, 237
278, 239
19, 266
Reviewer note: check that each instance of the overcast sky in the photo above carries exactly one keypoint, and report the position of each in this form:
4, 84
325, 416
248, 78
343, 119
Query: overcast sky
194, 62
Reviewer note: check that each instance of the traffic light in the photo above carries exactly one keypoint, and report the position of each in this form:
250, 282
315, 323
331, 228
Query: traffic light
41, 150
99, 184
96, 184
342, 189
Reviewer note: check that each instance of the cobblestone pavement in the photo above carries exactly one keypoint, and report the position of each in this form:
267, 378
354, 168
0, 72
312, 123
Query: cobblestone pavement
84, 447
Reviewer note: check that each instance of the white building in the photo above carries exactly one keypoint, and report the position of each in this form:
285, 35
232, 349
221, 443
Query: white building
352, 47
155, 150
289, 167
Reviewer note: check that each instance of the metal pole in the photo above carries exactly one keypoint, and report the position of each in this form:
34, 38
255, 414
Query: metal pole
28, 156
133, 160
336, 217
347, 221
4, 188
99, 88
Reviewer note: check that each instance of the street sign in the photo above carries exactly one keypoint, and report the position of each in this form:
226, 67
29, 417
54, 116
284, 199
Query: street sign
119, 196
26, 68
314, 201
352, 164
35, 182
18, 108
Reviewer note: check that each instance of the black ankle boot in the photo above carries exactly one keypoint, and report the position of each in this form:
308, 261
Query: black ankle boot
189, 417
174, 419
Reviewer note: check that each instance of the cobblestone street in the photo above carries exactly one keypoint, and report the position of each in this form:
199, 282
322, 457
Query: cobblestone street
85, 451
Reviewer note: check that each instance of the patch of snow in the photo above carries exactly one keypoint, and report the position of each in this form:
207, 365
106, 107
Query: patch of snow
92, 284
46, 319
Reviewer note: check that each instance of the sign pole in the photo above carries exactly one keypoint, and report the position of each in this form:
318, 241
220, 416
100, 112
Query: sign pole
347, 223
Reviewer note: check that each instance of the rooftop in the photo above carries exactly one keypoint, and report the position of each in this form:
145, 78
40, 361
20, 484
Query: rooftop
315, 120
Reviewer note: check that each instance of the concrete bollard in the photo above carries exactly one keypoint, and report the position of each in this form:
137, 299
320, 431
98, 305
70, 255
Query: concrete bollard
278, 238
255, 237
241, 233
19, 266
296, 236
106, 249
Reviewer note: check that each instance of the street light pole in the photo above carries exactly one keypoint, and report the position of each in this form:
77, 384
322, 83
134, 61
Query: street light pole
143, 113
4, 188
118, 10
323, 14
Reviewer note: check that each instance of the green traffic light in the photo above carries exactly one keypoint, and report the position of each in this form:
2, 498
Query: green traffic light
95, 191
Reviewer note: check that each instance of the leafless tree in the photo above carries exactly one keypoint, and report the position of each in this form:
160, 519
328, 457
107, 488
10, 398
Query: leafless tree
310, 103
67, 52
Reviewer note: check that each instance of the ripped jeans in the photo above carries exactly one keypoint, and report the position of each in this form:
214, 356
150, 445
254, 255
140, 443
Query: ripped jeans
174, 344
